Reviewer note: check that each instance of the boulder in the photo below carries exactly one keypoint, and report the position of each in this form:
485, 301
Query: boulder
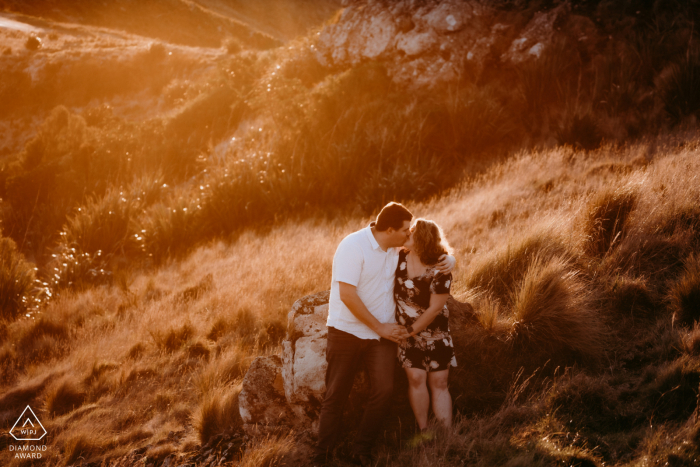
262, 400
304, 349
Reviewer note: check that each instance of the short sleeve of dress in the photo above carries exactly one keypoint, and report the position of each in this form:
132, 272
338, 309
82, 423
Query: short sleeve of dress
441, 284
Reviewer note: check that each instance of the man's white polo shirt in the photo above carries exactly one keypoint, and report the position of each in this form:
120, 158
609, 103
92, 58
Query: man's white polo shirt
360, 261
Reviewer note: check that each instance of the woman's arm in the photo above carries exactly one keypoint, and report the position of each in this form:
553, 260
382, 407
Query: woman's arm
437, 301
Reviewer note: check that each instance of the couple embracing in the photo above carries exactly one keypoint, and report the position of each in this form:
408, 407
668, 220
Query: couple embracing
390, 285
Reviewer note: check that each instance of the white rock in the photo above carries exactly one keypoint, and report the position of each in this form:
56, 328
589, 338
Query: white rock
413, 43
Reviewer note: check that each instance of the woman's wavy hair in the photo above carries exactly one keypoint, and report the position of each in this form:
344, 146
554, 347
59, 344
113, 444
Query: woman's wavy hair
429, 242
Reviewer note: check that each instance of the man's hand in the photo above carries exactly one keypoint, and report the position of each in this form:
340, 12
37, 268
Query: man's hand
447, 264
392, 332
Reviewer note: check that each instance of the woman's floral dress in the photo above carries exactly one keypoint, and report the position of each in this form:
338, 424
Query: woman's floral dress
432, 348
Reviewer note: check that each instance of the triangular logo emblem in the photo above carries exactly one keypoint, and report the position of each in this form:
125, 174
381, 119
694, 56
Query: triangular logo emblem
31, 430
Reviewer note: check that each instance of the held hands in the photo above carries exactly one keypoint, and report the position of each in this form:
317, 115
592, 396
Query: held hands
447, 264
392, 332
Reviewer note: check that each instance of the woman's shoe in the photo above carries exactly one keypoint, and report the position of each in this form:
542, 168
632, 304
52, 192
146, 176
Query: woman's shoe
424, 438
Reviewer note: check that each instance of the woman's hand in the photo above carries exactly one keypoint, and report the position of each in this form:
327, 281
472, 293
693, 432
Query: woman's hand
447, 264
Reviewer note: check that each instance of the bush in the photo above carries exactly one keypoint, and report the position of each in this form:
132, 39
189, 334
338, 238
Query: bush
554, 316
679, 87
169, 230
17, 281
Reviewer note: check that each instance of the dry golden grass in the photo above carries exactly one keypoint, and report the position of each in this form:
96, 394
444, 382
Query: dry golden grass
165, 350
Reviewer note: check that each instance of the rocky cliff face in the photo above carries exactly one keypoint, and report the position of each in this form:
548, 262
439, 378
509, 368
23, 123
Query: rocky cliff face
428, 44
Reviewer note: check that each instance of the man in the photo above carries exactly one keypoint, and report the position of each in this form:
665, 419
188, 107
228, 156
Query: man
362, 328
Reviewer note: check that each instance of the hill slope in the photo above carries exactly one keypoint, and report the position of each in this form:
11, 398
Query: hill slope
155, 360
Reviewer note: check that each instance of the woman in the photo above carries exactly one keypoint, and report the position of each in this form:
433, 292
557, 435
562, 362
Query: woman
421, 294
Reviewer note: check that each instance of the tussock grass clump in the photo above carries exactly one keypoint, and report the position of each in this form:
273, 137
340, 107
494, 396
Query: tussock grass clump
196, 291
197, 349
554, 317
17, 280
174, 338
43, 338
499, 272
270, 452
691, 342
606, 220
223, 370
684, 295
673, 393
79, 447
633, 297
136, 351
591, 403
65, 396
217, 412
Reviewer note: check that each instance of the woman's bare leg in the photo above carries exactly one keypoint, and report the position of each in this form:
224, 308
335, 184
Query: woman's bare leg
442, 401
418, 395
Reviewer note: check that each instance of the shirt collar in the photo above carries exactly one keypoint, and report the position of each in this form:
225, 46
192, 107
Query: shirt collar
372, 240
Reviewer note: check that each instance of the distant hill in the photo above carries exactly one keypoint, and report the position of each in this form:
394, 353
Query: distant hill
198, 23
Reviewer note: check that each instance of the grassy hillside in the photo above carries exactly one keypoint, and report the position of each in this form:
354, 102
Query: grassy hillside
582, 269
174, 175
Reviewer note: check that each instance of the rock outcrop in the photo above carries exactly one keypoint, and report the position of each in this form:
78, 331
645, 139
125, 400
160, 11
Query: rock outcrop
427, 44
287, 391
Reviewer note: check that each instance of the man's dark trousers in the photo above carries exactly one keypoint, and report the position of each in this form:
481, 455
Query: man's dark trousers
345, 353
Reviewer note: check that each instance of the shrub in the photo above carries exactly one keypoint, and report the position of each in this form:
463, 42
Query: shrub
554, 316
171, 230
679, 87
684, 295
33, 43
581, 131
102, 225
217, 412
17, 281
606, 219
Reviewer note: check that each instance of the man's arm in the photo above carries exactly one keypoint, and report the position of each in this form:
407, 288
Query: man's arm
348, 295
447, 264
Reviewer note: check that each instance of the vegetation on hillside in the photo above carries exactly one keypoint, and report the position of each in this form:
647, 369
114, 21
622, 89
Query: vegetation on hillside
582, 346
167, 204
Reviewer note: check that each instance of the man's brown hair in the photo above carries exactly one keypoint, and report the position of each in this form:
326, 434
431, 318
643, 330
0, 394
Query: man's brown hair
392, 215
